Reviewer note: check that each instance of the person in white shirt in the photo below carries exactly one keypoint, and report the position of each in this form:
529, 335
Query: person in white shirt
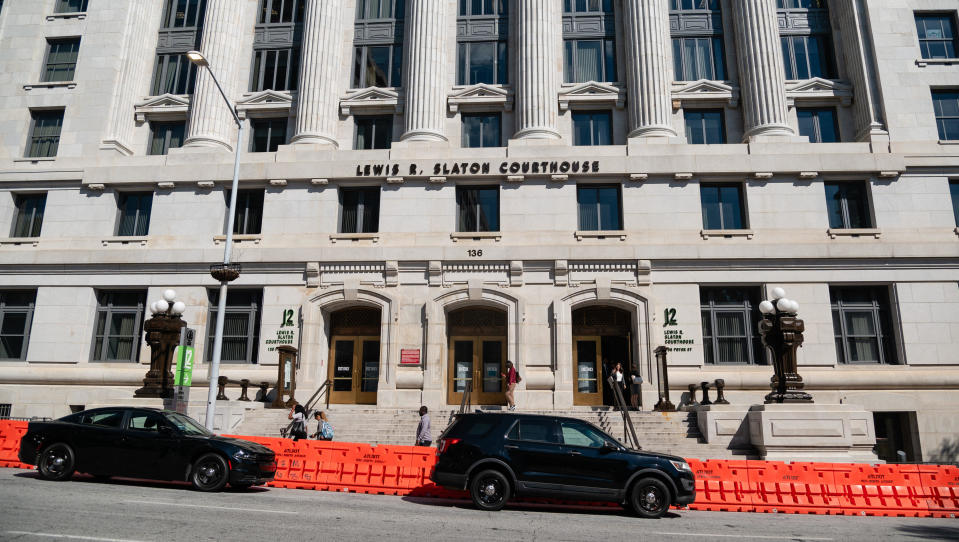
423, 435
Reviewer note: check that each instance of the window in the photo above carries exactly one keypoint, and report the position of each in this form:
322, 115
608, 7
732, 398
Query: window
275, 69
174, 74
45, 133
589, 41
477, 208
373, 132
705, 127
378, 39
70, 6
954, 192
184, 13
359, 210
61, 60
249, 212
481, 130
599, 208
165, 136
16, 318
805, 36
481, 35
818, 124
723, 206
535, 430
134, 211
281, 11
145, 421
847, 205
581, 434
697, 36
862, 324
276, 54
946, 105
103, 418
937, 35
592, 128
241, 326
5, 408
119, 324
268, 135
730, 319
29, 217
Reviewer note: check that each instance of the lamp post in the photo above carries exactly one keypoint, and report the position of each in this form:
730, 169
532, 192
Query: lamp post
226, 271
782, 332
163, 336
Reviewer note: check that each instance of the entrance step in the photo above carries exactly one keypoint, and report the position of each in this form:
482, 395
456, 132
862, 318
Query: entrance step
672, 432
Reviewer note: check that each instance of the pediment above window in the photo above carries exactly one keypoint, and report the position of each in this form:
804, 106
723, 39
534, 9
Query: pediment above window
589, 94
704, 92
264, 101
371, 100
480, 97
163, 107
819, 91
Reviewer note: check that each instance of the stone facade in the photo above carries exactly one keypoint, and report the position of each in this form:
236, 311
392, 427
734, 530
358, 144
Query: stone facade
540, 266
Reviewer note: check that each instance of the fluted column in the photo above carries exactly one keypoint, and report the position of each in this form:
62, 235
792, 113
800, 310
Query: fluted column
425, 85
857, 50
648, 57
537, 68
316, 109
761, 72
211, 123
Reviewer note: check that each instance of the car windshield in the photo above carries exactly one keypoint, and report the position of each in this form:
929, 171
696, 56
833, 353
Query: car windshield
187, 425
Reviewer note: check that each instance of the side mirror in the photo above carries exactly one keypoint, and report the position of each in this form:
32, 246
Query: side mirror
609, 447
166, 430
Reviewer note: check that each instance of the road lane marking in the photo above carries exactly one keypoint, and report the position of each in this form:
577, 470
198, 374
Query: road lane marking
217, 507
713, 535
73, 537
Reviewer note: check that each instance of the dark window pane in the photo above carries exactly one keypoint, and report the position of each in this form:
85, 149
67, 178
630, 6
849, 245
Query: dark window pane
249, 211
722, 207
29, 217
954, 192
45, 137
360, 210
599, 208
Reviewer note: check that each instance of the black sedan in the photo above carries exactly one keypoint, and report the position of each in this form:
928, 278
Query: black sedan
144, 443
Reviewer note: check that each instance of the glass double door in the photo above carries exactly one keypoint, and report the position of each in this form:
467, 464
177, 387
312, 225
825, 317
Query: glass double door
354, 369
481, 361
588, 370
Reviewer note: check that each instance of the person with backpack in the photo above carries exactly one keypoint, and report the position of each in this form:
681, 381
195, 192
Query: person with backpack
512, 378
298, 427
324, 429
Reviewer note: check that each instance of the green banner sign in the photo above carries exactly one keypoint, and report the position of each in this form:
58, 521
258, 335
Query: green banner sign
183, 372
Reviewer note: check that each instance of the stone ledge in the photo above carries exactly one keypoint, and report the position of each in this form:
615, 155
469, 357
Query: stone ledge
35, 159
374, 237
706, 234
854, 232
255, 239
599, 234
476, 235
923, 62
78, 15
19, 241
51, 84
130, 240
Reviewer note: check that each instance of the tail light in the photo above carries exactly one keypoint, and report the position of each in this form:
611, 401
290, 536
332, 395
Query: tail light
445, 443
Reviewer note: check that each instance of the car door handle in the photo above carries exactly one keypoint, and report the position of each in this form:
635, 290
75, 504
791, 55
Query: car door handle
574, 452
511, 447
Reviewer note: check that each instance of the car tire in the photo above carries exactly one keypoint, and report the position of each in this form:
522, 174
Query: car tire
57, 462
210, 472
649, 498
489, 489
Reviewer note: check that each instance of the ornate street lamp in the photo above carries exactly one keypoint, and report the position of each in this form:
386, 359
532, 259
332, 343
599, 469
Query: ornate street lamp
163, 336
781, 331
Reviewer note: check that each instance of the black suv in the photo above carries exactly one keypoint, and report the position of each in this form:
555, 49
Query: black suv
495, 456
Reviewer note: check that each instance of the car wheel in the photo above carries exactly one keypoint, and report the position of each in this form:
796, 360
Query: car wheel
490, 490
210, 472
649, 498
57, 462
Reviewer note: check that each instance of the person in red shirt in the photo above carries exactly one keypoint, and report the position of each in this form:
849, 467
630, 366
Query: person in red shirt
512, 377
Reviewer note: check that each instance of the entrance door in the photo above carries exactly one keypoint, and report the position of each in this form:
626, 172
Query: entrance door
588, 369
354, 369
479, 360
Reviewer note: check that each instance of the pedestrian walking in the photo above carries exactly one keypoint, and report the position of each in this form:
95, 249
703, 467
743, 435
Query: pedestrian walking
637, 384
619, 379
324, 429
512, 378
423, 435
298, 427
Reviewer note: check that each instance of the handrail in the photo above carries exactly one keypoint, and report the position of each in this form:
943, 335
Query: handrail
629, 431
467, 401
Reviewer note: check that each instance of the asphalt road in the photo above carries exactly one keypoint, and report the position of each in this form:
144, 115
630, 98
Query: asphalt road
122, 510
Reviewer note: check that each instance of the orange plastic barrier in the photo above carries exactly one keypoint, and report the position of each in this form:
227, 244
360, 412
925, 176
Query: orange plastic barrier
722, 486
880, 490
11, 432
792, 488
940, 486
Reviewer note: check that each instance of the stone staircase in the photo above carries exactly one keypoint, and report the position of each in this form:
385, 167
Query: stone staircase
674, 432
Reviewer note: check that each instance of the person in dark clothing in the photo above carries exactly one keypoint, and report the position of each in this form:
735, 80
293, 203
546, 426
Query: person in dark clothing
298, 428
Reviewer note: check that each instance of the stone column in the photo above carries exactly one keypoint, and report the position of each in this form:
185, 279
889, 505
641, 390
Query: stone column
316, 109
648, 66
761, 71
211, 123
858, 52
538, 68
133, 79
425, 83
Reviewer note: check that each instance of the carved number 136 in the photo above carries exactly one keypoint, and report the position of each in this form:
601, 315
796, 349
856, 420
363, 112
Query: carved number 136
474, 253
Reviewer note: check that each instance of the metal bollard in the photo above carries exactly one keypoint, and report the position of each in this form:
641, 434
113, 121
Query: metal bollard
221, 391
244, 385
705, 386
720, 398
692, 396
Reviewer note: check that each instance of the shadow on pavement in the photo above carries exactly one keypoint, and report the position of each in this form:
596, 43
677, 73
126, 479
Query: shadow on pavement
117, 481
532, 506
934, 532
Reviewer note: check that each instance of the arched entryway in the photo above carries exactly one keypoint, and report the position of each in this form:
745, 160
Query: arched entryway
354, 355
477, 353
602, 337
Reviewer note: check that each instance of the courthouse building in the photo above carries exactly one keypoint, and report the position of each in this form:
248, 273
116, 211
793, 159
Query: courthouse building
429, 188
